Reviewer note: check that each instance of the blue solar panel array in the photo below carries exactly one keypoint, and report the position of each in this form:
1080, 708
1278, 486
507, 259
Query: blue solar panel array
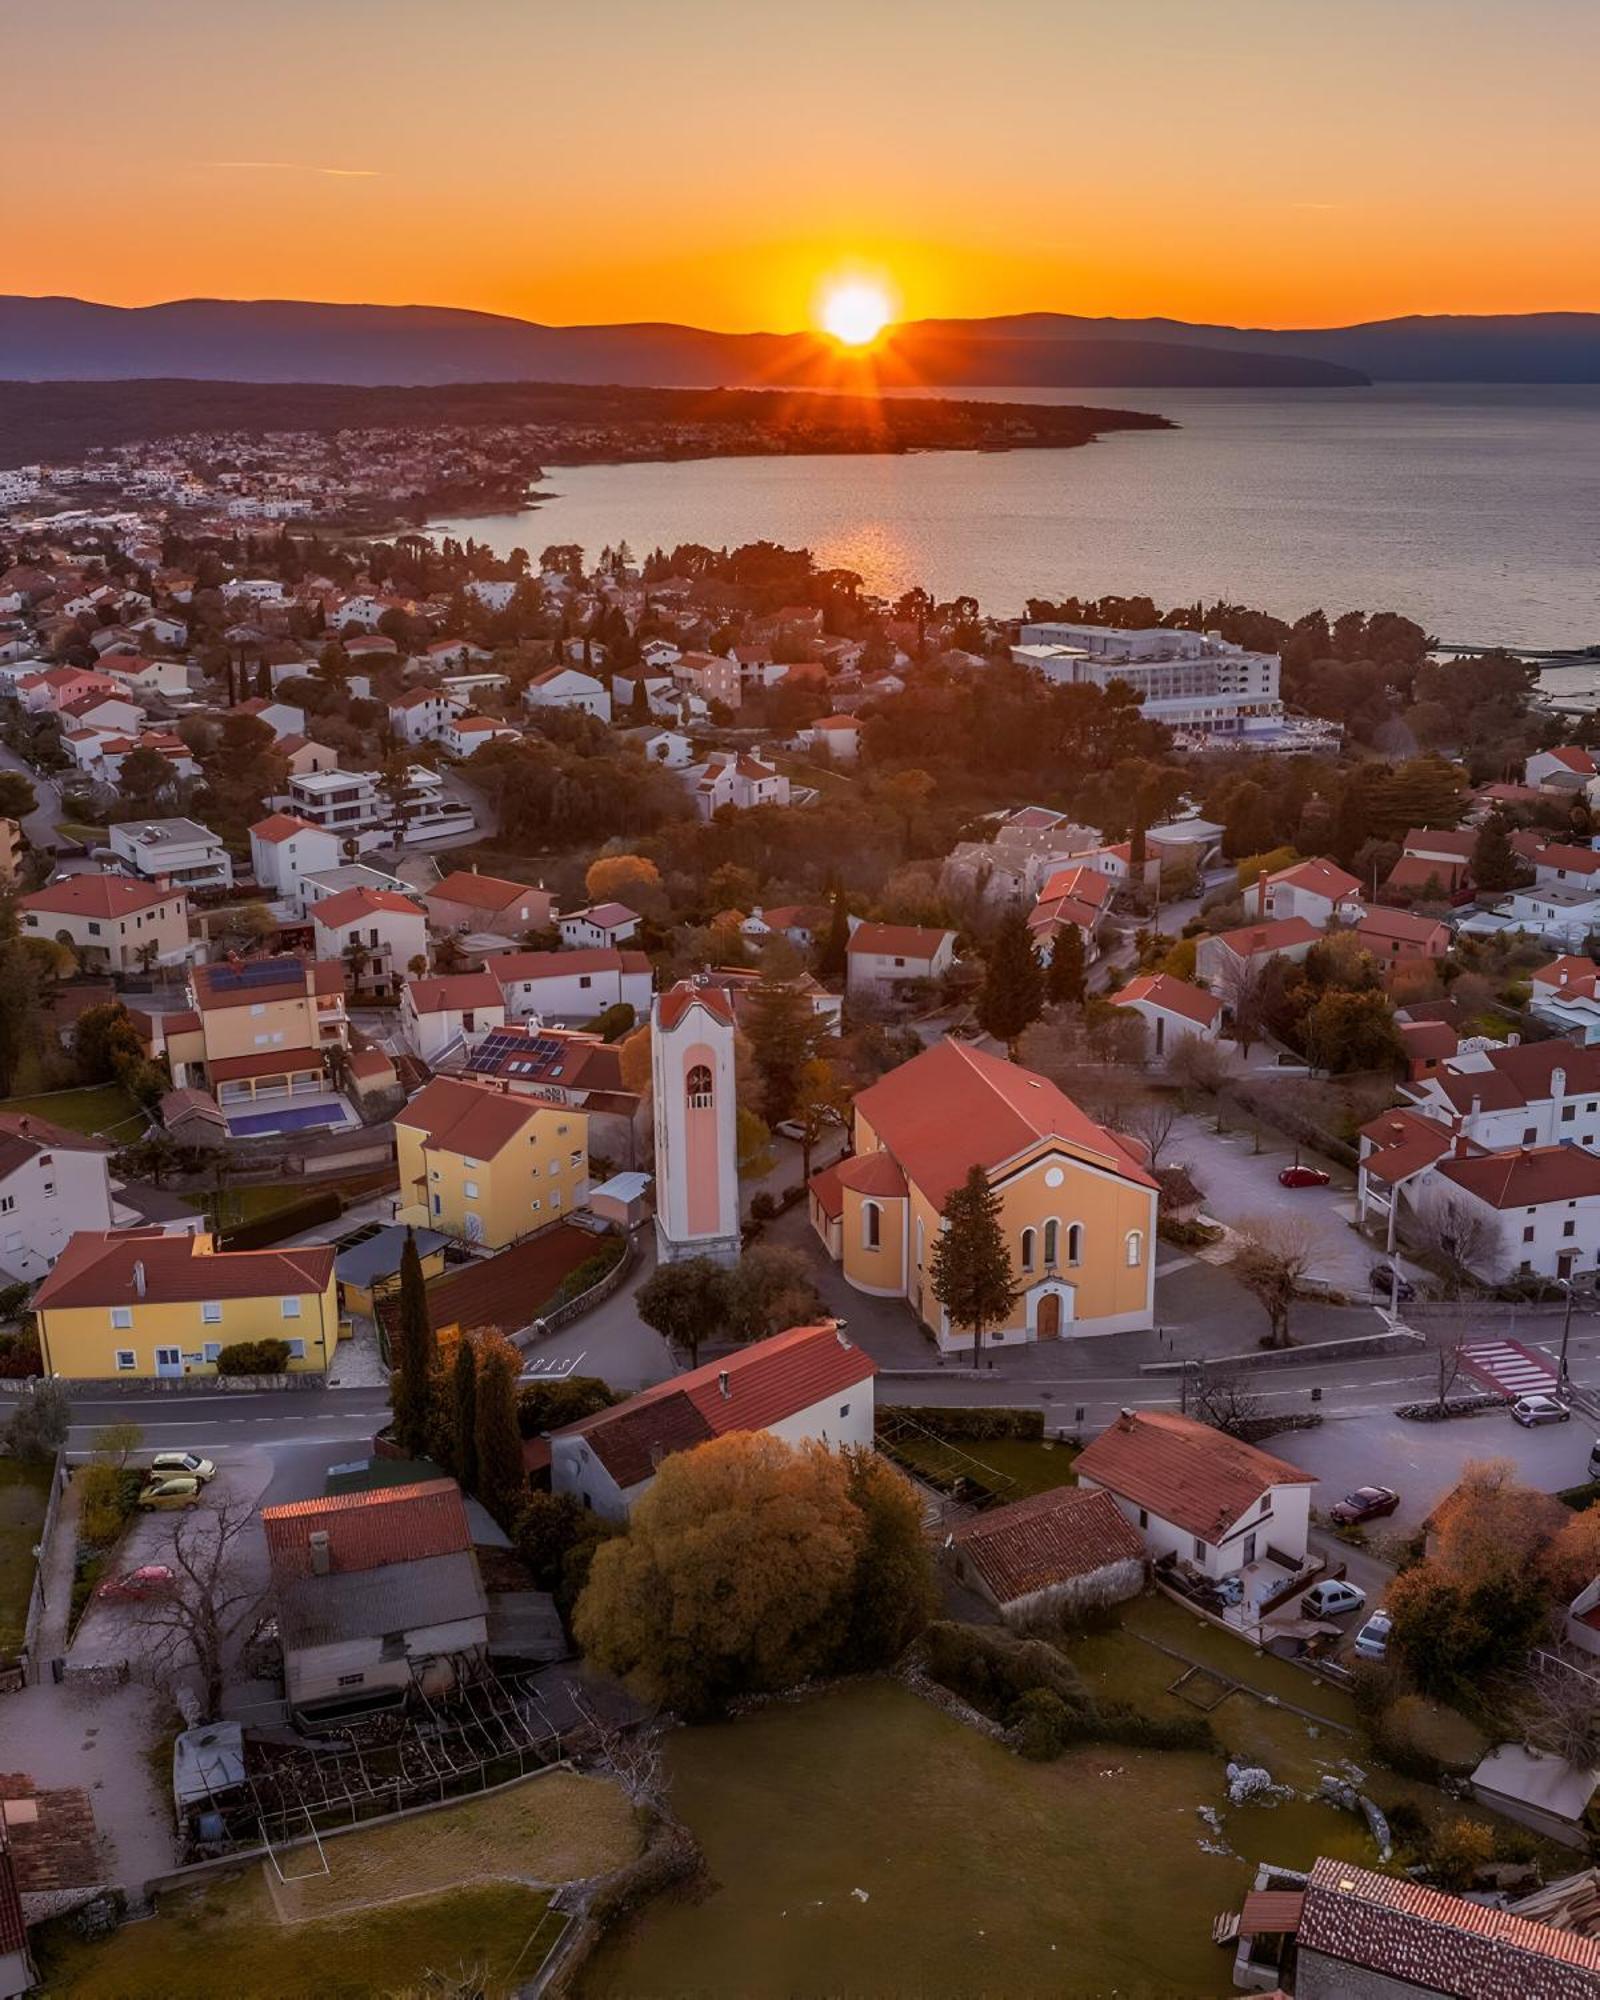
518, 1052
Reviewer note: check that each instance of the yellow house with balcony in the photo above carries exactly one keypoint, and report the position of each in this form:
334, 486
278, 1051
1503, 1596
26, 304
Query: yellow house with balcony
260, 1030
1077, 1207
481, 1163
139, 1303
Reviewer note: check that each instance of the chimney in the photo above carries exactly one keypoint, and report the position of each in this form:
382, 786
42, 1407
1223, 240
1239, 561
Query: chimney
723, 1388
840, 1335
1477, 1105
24, 1126
1261, 893
1558, 1083
138, 1277
317, 1543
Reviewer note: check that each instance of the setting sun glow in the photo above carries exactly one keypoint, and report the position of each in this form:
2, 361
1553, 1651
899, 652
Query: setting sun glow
855, 313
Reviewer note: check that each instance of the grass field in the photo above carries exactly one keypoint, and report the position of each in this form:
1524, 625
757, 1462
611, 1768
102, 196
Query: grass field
554, 1829
1021, 1466
95, 1108
227, 1939
24, 1495
77, 834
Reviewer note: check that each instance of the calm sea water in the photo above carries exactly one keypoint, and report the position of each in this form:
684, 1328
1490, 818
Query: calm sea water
1474, 510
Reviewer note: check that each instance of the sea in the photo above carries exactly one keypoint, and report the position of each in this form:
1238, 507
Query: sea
1474, 510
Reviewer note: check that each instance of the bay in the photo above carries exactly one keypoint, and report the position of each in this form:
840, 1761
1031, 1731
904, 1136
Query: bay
1475, 510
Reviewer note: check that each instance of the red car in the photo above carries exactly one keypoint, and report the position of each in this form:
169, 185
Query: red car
1298, 1176
152, 1580
1367, 1503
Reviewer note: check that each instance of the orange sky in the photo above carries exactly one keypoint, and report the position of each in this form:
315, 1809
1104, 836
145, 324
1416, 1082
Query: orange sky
1273, 162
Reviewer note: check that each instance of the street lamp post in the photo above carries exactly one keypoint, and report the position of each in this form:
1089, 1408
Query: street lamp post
1566, 1329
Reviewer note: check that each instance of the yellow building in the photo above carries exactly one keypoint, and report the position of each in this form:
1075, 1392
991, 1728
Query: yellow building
481, 1163
1078, 1209
137, 1302
259, 1031
10, 849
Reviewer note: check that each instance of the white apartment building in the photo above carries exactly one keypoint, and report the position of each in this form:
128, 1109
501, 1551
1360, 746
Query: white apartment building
351, 804
571, 986
176, 851
1194, 682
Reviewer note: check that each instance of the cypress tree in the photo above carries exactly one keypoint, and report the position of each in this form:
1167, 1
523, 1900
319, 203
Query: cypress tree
502, 1485
1012, 995
411, 1384
1064, 975
833, 955
971, 1273
1494, 859
464, 1392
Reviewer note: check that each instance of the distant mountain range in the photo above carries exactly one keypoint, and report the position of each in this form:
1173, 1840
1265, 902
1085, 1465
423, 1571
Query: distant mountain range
280, 340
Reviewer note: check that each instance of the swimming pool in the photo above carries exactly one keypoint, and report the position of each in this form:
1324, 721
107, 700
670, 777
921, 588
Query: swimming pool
291, 1118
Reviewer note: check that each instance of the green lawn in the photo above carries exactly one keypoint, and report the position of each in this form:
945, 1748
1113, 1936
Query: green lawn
251, 1204
76, 834
229, 1939
97, 1107
24, 1494
1020, 1465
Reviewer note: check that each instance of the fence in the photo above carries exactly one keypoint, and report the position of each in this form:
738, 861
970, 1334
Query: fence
36, 1606
598, 1292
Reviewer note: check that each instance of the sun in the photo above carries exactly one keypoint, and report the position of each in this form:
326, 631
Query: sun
855, 312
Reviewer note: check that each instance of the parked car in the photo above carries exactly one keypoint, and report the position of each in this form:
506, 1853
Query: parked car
1298, 1176
1332, 1599
1594, 1459
181, 1465
1372, 1641
1383, 1280
1531, 1410
161, 1494
1367, 1503
149, 1580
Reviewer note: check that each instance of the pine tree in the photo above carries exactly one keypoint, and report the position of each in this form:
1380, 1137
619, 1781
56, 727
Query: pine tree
639, 701
1494, 859
1137, 851
264, 681
464, 1391
502, 1484
833, 954
1064, 976
783, 1033
1012, 995
971, 1272
410, 1385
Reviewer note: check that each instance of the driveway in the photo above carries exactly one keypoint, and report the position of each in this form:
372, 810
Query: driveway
40, 824
1240, 1185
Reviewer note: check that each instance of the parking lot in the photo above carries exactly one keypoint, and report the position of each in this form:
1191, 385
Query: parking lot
112, 1629
1240, 1185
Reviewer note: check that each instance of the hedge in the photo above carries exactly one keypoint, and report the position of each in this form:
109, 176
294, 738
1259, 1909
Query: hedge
254, 1357
963, 1425
324, 1206
587, 1274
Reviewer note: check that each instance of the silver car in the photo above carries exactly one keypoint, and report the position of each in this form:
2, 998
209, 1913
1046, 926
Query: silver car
1372, 1641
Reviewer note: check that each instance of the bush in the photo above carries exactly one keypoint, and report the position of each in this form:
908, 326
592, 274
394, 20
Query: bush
1458, 1849
20, 1356
604, 1261
1409, 1824
108, 1494
763, 1207
39, 1422
1399, 1733
1042, 1725
254, 1357
546, 1406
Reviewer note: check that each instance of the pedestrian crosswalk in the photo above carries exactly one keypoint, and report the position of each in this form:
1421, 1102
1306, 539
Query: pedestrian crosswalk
1510, 1367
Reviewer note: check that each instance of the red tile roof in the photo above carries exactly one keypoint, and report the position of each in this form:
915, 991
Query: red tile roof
1404, 1142
98, 896
454, 991
1047, 1539
1525, 1176
1198, 1478
1284, 934
872, 1174
898, 940
1575, 759
265, 1062
1522, 1074
672, 1005
481, 892
766, 1382
1569, 974
1430, 1942
367, 1530
1402, 927
1432, 840
1172, 996
1319, 877
351, 905
953, 1107
472, 1119
101, 1268
283, 826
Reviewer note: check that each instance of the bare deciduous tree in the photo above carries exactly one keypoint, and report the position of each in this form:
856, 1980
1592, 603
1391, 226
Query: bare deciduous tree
1465, 1240
635, 1758
212, 1599
1560, 1712
1149, 1118
1274, 1258
1218, 1397
1241, 985
1199, 1066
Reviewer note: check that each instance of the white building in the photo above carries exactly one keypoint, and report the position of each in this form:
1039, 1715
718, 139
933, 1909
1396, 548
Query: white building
693, 1032
467, 734
599, 924
1529, 1094
423, 714
1541, 1205
285, 849
1215, 1504
176, 851
735, 779
1172, 1010
810, 1384
884, 958
454, 1011
571, 986
1320, 891
569, 687
1194, 682
52, 1182
376, 929
351, 804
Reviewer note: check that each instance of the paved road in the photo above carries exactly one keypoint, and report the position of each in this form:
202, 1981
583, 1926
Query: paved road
40, 824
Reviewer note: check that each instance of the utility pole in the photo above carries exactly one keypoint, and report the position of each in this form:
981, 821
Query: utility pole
1566, 1332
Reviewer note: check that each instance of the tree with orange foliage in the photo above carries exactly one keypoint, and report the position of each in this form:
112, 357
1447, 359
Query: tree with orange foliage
624, 878
1491, 1525
1572, 1560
